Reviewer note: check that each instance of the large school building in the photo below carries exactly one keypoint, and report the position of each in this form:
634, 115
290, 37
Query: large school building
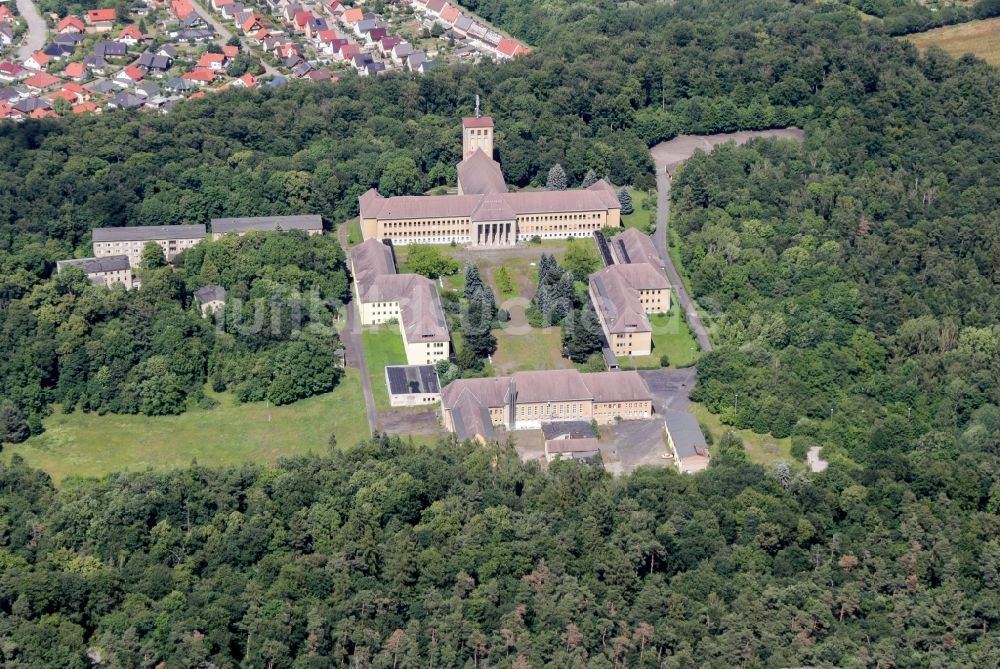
484, 213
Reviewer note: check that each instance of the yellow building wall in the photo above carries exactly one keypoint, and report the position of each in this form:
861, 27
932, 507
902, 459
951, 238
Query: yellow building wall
424, 353
607, 412
655, 301
632, 343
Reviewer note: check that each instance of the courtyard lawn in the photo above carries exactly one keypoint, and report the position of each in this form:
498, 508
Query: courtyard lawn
383, 346
672, 337
980, 38
643, 219
81, 444
536, 349
761, 448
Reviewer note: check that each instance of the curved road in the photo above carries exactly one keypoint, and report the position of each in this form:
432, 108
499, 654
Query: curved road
668, 156
225, 34
34, 39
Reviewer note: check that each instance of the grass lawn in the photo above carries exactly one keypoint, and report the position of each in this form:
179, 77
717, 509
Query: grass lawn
536, 349
81, 444
353, 232
640, 218
761, 448
980, 38
671, 336
383, 346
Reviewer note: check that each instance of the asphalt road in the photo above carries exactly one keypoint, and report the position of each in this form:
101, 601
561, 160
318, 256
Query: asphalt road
355, 353
668, 156
34, 39
225, 34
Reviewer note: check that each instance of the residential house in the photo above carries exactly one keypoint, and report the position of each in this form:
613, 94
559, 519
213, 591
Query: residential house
11, 95
461, 26
179, 85
401, 52
315, 26
86, 108
58, 52
128, 76
11, 72
375, 35
252, 25
100, 20
106, 271
386, 43
321, 75
168, 51
449, 14
426, 65
95, 64
107, 50
29, 106
364, 26
182, 9
103, 86
213, 61
230, 51
153, 64
508, 48
37, 61
351, 16
433, 8
41, 81
217, 5
68, 39
349, 51
210, 299
301, 69
6, 36
197, 36
6, 14
414, 60
300, 19
79, 93
147, 89
125, 100
200, 76
686, 442
130, 35
245, 81
70, 24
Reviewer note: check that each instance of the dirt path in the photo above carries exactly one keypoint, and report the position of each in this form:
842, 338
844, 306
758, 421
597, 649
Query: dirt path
668, 156
34, 39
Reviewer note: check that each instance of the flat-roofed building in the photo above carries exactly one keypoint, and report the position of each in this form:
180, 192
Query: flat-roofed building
409, 299
309, 223
570, 448
412, 385
686, 442
484, 213
105, 271
528, 400
131, 240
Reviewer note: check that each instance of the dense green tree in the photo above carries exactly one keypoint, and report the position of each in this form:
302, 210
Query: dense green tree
429, 261
152, 256
581, 334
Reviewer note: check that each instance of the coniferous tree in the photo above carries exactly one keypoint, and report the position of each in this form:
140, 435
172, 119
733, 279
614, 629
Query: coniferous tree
581, 334
556, 179
473, 281
589, 179
625, 200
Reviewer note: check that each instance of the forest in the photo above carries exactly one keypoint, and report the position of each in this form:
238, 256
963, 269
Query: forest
149, 350
853, 288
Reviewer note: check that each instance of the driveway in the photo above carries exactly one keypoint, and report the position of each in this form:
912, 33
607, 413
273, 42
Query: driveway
34, 39
355, 357
634, 443
670, 387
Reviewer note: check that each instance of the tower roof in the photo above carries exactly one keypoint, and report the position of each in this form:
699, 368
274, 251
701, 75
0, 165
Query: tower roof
477, 122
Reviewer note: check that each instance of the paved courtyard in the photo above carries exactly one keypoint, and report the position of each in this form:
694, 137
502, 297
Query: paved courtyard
670, 388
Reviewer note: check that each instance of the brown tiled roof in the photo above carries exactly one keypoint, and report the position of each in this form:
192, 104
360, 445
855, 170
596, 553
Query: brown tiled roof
488, 392
481, 174
370, 203
553, 201
637, 247
618, 302
583, 445
369, 261
493, 208
551, 385
606, 192
642, 276
419, 206
617, 386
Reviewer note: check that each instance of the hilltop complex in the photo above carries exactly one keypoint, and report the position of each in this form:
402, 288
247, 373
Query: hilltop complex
483, 212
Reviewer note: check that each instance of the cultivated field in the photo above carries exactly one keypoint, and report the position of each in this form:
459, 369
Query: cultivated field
81, 444
980, 38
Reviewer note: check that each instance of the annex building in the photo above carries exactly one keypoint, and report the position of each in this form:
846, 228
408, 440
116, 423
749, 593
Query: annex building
408, 299
627, 291
473, 408
105, 271
483, 212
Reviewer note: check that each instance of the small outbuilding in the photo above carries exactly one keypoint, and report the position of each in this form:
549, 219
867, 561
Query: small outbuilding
570, 448
686, 442
210, 299
412, 385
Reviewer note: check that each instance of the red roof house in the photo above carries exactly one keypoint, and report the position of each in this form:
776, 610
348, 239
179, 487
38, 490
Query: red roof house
85, 107
246, 81
200, 75
511, 48
96, 16
70, 24
230, 51
41, 81
75, 71
131, 35
6, 14
450, 14
181, 8
37, 61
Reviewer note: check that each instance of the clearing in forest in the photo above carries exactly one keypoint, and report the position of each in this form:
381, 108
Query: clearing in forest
980, 38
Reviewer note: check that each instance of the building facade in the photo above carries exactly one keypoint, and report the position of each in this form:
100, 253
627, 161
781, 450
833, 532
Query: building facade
686, 442
131, 240
411, 300
484, 213
105, 271
472, 408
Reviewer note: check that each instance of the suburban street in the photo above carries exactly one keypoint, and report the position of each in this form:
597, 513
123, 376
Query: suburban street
34, 39
225, 34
